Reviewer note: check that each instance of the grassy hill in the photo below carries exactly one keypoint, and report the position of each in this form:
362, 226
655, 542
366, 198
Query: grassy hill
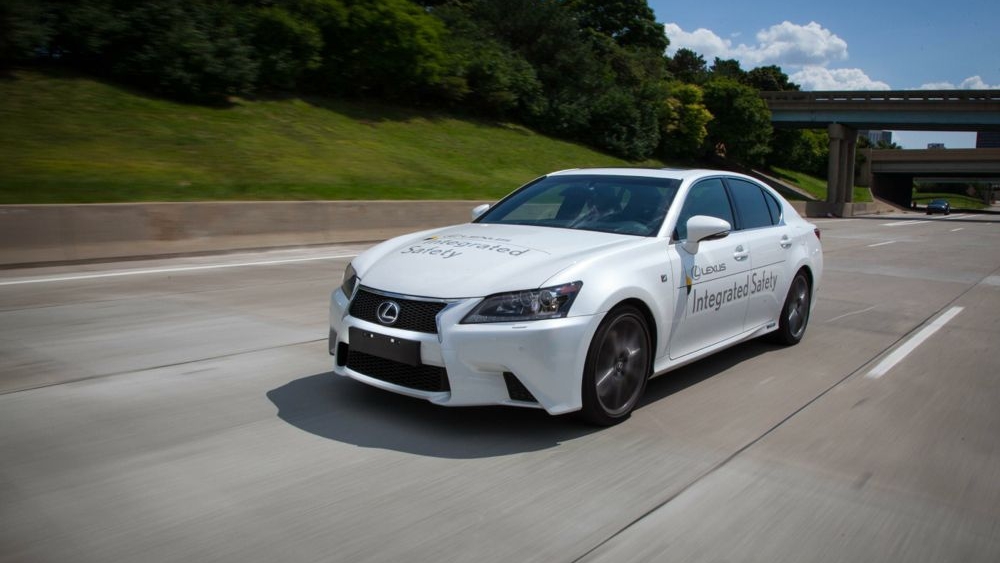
71, 139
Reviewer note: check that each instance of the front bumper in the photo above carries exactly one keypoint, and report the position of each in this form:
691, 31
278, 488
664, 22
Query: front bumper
544, 358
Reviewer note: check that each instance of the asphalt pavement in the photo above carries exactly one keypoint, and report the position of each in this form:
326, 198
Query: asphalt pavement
184, 410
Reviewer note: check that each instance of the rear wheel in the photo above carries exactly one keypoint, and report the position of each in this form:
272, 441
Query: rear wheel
795, 312
618, 365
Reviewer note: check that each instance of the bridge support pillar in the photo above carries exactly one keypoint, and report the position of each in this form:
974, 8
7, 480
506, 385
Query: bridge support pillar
840, 170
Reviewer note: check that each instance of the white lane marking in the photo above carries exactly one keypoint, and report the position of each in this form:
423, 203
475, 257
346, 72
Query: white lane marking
899, 223
172, 270
958, 229
881, 243
950, 217
910, 345
851, 313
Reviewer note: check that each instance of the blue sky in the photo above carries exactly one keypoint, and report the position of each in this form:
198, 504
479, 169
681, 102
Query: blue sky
850, 44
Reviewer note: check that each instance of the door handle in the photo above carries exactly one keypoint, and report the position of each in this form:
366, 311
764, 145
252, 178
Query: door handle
786, 242
739, 254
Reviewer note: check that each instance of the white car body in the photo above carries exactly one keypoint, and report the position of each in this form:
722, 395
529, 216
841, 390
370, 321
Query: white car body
695, 297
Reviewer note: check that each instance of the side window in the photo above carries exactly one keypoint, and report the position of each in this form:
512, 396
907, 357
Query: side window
750, 203
707, 197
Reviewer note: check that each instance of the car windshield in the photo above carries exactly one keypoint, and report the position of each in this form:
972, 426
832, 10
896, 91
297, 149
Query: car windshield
630, 205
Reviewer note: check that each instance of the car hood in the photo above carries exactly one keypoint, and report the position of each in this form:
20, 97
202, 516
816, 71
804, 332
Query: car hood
475, 260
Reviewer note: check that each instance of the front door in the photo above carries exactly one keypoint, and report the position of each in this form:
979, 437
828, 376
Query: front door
711, 294
711, 300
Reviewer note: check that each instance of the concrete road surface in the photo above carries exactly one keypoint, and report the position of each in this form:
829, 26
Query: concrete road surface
184, 410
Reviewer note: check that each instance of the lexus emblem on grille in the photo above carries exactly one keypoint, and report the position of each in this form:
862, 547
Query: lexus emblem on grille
387, 312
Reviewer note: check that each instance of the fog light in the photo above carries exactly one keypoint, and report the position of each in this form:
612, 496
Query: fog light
331, 344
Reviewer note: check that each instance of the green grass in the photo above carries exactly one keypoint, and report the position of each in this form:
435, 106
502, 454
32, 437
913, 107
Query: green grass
817, 186
70, 139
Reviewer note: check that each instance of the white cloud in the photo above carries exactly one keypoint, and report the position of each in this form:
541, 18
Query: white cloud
702, 41
810, 48
971, 83
784, 44
822, 78
795, 45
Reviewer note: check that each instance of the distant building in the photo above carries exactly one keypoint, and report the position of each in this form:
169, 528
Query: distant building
876, 137
988, 140
935, 145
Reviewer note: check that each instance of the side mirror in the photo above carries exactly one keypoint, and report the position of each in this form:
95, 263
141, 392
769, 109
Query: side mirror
703, 227
479, 210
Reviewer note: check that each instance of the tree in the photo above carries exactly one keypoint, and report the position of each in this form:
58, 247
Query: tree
484, 73
792, 148
770, 79
688, 66
188, 49
683, 121
728, 68
805, 150
382, 48
185, 49
287, 46
24, 27
594, 89
742, 122
630, 23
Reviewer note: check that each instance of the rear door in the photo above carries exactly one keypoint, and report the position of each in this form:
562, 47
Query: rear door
769, 242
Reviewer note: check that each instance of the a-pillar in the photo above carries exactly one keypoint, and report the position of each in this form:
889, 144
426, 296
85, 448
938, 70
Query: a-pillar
840, 169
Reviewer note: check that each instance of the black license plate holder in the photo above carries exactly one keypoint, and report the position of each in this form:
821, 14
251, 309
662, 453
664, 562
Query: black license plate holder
388, 347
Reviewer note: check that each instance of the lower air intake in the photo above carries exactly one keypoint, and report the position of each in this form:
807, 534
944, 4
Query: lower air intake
422, 378
516, 390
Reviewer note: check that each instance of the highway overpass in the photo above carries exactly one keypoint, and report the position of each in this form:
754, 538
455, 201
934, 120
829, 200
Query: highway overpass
891, 173
842, 114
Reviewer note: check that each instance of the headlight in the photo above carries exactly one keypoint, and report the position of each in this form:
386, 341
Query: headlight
350, 282
528, 305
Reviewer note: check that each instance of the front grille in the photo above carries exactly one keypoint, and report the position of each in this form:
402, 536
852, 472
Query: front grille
516, 390
418, 316
422, 377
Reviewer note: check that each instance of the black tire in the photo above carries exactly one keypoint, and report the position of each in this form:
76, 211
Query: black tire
618, 365
795, 312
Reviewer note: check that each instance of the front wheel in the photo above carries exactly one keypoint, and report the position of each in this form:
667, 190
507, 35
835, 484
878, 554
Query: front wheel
618, 365
795, 312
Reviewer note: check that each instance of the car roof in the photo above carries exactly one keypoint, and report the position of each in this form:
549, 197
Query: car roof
669, 173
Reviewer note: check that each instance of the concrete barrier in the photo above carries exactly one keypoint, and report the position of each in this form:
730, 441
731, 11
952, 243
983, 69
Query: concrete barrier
824, 209
45, 234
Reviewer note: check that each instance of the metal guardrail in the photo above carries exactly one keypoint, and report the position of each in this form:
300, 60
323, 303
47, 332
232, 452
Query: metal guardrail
976, 96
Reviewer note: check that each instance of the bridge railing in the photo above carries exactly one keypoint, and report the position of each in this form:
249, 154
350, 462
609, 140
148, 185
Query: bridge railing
884, 96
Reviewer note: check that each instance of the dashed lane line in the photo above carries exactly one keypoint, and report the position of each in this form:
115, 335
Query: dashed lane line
148, 271
902, 223
911, 344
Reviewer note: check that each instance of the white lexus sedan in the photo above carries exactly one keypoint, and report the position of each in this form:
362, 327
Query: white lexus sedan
574, 290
